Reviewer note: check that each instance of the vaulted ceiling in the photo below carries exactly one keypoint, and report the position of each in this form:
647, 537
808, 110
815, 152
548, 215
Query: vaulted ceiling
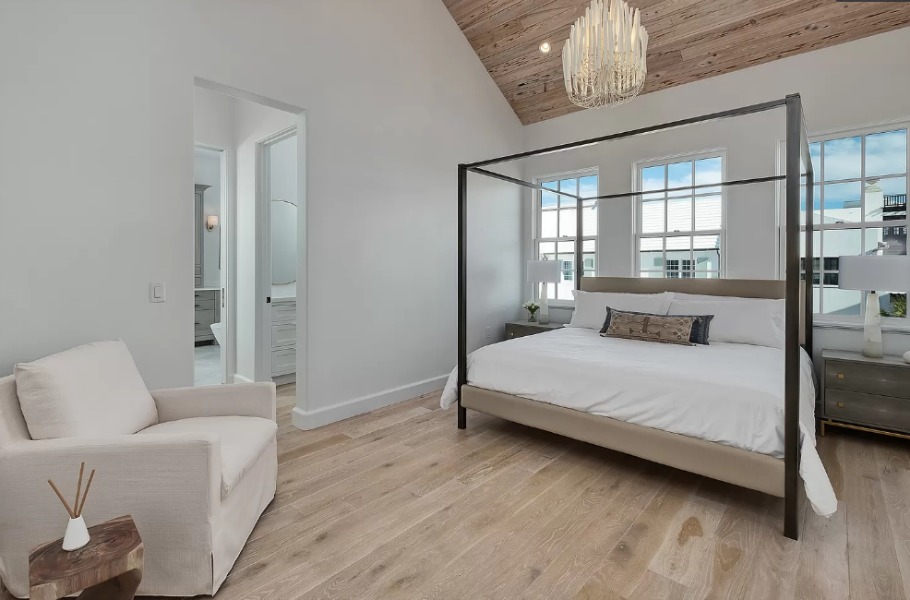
689, 39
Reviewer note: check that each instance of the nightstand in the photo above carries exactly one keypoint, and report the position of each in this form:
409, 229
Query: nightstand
517, 329
869, 394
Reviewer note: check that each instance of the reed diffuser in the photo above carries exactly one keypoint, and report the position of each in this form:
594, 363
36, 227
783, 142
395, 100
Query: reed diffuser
76, 535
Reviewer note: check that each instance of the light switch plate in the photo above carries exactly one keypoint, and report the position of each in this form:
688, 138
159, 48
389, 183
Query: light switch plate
156, 292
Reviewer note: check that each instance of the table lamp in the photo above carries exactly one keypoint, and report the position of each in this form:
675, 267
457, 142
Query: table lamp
874, 274
543, 271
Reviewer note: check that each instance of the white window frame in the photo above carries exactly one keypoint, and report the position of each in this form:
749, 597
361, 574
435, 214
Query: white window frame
535, 225
846, 321
639, 166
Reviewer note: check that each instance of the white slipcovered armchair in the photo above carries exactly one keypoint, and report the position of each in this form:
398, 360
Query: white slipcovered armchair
195, 483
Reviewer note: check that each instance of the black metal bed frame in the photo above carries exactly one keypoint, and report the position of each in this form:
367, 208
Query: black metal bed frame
797, 148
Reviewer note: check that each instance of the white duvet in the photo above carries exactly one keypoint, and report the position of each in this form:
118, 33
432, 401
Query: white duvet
726, 393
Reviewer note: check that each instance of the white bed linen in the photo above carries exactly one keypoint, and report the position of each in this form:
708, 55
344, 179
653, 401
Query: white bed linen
726, 393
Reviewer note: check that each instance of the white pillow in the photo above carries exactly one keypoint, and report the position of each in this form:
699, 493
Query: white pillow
683, 297
755, 321
90, 391
591, 307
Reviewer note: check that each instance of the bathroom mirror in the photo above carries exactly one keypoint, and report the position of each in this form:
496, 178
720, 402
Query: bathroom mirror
284, 242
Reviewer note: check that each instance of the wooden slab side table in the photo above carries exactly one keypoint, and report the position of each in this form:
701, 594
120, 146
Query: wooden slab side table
109, 567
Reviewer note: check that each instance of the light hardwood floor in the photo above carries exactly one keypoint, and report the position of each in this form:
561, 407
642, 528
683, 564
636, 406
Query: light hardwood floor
401, 504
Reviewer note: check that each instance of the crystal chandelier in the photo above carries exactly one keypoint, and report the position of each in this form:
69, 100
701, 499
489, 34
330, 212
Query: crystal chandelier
604, 59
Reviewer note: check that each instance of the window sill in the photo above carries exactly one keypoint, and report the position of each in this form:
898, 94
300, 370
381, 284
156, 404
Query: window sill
858, 326
552, 305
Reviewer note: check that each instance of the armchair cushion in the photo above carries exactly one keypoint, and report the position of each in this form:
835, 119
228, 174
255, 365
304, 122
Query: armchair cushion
94, 390
242, 441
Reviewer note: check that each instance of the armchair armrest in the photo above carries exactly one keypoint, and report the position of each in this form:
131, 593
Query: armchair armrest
149, 475
236, 400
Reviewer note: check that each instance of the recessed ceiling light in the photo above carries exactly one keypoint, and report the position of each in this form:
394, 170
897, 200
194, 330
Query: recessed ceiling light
545, 47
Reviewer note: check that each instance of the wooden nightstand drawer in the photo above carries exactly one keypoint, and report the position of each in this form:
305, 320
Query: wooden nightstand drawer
868, 379
884, 412
517, 330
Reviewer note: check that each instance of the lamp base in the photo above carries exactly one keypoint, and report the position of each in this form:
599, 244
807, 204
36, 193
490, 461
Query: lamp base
544, 306
872, 329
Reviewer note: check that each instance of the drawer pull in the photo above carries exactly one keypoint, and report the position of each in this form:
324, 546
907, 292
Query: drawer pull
840, 404
841, 376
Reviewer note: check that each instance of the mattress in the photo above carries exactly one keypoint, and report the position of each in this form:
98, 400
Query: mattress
731, 394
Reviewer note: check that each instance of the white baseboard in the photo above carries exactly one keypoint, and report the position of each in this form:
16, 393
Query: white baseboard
237, 378
303, 419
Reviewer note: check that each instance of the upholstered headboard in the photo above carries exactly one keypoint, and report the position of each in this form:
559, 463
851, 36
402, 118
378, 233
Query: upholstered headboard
743, 288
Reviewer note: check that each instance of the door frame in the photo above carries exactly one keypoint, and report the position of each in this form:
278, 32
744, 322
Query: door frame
264, 251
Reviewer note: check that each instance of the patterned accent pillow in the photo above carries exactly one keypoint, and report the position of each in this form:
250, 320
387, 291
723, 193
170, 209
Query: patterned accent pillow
686, 330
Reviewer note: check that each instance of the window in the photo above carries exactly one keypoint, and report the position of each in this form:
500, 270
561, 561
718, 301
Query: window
555, 228
679, 233
859, 207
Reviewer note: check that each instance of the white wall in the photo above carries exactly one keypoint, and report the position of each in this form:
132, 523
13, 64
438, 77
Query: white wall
395, 98
831, 102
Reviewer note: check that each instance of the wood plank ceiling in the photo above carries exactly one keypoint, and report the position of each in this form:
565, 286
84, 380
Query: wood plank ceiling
689, 39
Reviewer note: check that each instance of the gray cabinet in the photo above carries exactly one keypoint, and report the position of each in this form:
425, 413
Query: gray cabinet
208, 311
865, 393
284, 337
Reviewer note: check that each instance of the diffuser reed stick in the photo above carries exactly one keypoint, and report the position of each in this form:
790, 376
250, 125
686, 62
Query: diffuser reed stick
85, 493
79, 488
62, 499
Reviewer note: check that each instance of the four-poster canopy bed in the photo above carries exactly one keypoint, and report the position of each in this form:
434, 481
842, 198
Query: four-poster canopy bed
775, 475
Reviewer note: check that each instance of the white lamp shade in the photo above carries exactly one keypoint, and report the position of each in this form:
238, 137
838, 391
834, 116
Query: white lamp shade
874, 273
543, 271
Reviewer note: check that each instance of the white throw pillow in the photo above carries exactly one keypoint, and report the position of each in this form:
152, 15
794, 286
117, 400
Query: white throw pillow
755, 321
591, 307
90, 391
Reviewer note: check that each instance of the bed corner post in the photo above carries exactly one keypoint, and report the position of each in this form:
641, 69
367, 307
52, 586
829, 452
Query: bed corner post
794, 151
462, 290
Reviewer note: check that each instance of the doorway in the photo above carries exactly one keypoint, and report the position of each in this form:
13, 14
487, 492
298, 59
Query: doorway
258, 323
209, 314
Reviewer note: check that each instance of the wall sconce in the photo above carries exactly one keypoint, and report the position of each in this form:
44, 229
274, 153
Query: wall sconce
211, 222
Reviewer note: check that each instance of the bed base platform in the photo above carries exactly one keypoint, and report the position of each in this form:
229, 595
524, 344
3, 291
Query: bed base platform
750, 470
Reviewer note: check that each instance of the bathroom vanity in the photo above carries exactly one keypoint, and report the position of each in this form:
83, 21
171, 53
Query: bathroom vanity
208, 311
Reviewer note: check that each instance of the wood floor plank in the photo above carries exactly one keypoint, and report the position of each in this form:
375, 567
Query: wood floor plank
560, 575
626, 565
871, 555
496, 554
823, 573
728, 560
330, 505
650, 587
681, 558
894, 464
340, 572
402, 563
387, 421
